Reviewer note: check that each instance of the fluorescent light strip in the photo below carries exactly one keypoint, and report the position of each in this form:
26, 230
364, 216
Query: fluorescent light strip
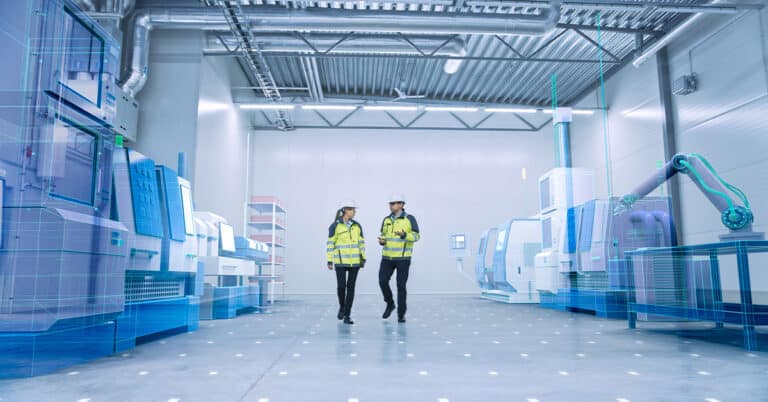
508, 110
574, 111
328, 107
265, 106
391, 108
450, 109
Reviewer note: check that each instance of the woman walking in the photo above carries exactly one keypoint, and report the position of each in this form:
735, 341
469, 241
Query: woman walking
346, 253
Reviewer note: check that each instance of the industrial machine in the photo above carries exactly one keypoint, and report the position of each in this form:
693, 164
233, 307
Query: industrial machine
229, 265
684, 282
582, 265
250, 249
517, 243
484, 260
560, 190
221, 262
595, 276
62, 256
162, 270
592, 262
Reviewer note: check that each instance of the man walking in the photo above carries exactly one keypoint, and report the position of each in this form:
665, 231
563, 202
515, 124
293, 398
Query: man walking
399, 232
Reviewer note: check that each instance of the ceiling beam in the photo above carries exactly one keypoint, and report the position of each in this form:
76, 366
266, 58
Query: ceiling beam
426, 56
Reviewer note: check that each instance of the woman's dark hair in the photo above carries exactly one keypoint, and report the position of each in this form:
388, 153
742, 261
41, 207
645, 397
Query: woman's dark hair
339, 214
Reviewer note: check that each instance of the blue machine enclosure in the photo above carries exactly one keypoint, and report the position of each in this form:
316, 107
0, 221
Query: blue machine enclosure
62, 256
598, 276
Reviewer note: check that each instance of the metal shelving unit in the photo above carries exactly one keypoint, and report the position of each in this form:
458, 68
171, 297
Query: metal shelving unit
267, 223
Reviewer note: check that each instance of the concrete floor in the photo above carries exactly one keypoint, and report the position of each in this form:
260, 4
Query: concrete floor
457, 349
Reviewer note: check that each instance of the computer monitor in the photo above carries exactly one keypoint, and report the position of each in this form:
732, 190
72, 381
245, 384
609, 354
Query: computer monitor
186, 202
226, 238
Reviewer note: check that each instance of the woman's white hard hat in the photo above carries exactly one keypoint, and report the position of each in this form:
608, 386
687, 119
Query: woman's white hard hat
348, 204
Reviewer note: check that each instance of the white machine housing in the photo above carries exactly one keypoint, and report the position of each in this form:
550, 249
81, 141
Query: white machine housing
517, 243
520, 260
215, 264
554, 204
553, 194
202, 231
211, 220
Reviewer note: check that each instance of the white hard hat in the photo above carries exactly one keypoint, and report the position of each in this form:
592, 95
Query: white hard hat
348, 204
397, 197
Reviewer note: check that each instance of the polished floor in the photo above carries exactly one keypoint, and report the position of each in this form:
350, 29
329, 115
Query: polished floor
452, 349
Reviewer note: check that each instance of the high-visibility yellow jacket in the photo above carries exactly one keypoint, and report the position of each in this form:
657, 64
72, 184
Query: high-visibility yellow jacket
399, 247
346, 245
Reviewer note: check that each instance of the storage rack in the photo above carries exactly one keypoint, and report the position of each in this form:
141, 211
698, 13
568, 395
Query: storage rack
267, 223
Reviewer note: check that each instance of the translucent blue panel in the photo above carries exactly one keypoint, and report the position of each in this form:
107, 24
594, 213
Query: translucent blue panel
72, 154
146, 199
83, 53
171, 196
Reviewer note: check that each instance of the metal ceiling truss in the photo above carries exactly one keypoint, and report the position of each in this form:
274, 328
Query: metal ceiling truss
572, 44
421, 53
399, 124
614, 5
312, 74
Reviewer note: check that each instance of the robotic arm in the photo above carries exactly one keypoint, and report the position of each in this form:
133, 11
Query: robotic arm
737, 218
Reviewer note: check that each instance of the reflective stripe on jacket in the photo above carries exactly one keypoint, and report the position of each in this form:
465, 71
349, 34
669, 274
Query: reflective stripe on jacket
346, 245
397, 247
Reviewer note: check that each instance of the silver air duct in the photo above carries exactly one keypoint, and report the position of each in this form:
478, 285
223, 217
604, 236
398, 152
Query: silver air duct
263, 19
675, 33
443, 45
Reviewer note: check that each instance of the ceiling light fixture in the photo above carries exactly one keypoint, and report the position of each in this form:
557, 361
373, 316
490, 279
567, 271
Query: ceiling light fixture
574, 111
508, 110
328, 107
391, 108
450, 109
265, 106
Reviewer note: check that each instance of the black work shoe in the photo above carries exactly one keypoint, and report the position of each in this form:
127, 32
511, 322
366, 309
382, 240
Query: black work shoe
341, 313
388, 311
401, 319
348, 320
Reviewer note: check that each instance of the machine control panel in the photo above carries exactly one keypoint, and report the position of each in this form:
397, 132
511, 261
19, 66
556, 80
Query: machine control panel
146, 202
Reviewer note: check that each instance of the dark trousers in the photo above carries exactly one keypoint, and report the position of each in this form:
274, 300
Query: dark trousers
388, 267
345, 287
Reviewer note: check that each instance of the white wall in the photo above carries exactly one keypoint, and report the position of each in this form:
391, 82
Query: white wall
222, 144
632, 127
168, 102
725, 121
187, 106
454, 181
